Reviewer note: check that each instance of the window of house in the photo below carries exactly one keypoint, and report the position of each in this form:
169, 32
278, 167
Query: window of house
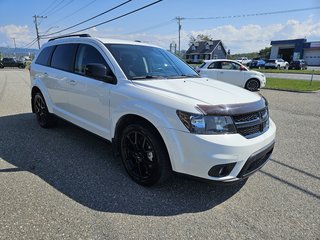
193, 48
207, 46
219, 47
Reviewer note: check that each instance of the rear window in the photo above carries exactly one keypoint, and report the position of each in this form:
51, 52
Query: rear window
63, 57
45, 56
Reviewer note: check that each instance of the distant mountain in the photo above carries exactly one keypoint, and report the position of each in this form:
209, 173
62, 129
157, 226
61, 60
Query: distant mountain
18, 52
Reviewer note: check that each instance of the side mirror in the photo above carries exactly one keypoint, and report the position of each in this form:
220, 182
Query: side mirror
100, 72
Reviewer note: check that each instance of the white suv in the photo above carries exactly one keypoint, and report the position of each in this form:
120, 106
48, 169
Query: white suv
156, 110
277, 64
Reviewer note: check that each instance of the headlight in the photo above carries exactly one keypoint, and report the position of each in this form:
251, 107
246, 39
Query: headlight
202, 124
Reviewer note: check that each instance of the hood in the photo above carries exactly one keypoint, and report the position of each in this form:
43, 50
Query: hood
195, 91
256, 72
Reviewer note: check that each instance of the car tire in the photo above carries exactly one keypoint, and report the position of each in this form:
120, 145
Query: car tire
44, 118
252, 85
144, 154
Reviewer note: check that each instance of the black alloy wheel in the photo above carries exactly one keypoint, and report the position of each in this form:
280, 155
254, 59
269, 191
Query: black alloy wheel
144, 155
252, 85
44, 118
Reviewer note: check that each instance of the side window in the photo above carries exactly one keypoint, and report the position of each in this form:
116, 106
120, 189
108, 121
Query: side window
63, 57
215, 65
230, 66
87, 54
45, 56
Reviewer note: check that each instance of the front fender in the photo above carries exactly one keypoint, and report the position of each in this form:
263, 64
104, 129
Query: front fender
39, 84
156, 115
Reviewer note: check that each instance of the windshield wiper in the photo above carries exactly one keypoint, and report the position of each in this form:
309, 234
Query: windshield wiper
184, 76
147, 77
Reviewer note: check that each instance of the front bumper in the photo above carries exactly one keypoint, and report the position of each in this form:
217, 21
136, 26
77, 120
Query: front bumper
196, 155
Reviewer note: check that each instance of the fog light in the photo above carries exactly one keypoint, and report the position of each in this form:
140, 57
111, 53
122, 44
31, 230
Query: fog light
221, 170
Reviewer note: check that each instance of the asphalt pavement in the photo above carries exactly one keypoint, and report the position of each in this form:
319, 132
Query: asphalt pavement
64, 183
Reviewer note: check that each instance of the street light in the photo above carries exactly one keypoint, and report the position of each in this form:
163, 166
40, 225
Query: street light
50, 29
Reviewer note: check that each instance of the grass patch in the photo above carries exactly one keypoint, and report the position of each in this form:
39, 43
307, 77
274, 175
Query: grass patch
289, 84
315, 72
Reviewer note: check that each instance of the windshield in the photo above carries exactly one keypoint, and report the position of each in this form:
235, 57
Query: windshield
144, 62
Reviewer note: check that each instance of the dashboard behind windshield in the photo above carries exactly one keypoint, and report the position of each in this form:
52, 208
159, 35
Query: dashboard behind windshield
145, 62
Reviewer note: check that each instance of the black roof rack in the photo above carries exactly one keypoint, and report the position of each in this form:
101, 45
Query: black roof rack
74, 35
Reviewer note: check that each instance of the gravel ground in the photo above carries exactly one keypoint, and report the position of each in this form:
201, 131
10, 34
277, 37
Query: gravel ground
64, 183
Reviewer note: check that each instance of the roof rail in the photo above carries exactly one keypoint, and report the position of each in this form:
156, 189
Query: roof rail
73, 35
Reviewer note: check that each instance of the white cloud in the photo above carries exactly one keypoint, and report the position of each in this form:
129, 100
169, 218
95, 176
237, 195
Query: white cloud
21, 34
253, 37
246, 38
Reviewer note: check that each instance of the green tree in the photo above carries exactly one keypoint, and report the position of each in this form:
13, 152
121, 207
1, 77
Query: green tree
199, 38
265, 53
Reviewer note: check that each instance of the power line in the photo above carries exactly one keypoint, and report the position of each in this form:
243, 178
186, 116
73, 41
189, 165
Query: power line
75, 12
152, 27
253, 14
121, 16
75, 25
58, 9
50, 5
30, 43
55, 7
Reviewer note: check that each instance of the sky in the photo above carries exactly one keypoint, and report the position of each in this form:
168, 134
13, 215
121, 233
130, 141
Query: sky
157, 25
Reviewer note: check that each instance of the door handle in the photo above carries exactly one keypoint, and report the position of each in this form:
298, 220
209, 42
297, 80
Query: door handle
72, 82
45, 74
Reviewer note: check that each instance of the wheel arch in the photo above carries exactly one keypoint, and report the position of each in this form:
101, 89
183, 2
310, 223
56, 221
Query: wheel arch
38, 86
124, 120
253, 78
34, 91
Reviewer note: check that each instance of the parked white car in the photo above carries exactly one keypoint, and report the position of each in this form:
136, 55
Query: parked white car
158, 113
244, 60
276, 64
232, 72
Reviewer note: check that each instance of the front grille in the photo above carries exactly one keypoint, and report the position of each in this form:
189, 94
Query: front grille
252, 124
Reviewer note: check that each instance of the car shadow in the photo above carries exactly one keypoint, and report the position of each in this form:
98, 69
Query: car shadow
82, 166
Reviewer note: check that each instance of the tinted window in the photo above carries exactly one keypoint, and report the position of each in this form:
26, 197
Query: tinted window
63, 57
215, 65
45, 56
87, 54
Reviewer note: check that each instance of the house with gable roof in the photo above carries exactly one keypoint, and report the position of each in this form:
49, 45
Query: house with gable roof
205, 50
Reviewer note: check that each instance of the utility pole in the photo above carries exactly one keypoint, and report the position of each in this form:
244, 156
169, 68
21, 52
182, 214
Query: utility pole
15, 46
179, 29
14, 41
36, 24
